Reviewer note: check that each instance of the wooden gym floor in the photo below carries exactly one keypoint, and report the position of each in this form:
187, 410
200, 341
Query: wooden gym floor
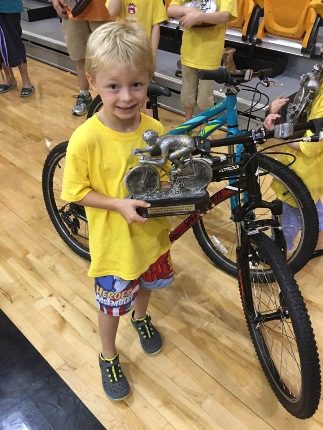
206, 377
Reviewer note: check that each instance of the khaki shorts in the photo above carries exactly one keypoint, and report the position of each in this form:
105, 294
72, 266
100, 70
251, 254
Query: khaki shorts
195, 92
76, 34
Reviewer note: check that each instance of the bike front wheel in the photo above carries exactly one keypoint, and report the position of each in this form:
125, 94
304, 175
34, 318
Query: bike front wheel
216, 233
279, 326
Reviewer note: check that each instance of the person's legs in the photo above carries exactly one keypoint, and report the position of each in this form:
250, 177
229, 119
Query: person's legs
23, 69
76, 34
81, 76
205, 99
12, 50
189, 90
9, 76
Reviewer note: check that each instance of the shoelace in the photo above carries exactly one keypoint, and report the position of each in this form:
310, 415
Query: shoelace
146, 328
114, 371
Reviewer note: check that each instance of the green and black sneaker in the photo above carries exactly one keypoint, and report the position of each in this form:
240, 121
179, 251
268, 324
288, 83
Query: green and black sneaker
149, 336
114, 382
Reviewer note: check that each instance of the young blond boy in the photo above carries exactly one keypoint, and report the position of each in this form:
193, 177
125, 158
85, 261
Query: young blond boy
129, 254
148, 13
204, 24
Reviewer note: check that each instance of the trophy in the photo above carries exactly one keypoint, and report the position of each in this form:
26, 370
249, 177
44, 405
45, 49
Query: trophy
188, 178
299, 107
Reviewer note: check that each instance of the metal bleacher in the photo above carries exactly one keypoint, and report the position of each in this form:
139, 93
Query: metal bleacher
44, 41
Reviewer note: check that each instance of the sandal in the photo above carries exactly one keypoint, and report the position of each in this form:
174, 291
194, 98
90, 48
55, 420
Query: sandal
4, 88
27, 92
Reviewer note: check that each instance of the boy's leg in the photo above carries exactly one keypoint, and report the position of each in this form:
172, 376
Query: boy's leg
114, 297
108, 326
189, 90
159, 275
141, 304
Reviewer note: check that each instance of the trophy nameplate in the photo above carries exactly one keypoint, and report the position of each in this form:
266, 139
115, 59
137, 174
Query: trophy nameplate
169, 206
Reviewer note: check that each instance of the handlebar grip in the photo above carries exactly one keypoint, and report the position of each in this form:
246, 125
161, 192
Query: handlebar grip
220, 75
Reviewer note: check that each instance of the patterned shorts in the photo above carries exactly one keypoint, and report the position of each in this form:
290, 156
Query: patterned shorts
116, 296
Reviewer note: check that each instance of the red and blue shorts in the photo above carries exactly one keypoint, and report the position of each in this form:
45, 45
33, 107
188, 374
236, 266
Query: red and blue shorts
116, 296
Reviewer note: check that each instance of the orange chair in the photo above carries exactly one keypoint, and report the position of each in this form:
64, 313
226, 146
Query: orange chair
293, 19
247, 20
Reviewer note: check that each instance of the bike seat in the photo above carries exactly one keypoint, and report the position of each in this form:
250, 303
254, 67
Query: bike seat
155, 89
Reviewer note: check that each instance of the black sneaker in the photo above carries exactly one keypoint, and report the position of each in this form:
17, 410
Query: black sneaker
114, 382
149, 336
82, 104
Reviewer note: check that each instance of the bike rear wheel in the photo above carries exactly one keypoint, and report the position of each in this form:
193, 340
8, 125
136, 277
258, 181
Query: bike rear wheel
280, 327
69, 219
216, 233
95, 106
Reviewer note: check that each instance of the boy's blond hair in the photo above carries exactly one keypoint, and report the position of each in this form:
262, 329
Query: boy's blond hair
118, 43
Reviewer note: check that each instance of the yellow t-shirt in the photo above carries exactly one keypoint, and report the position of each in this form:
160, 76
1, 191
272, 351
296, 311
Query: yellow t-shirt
147, 13
98, 159
309, 160
202, 47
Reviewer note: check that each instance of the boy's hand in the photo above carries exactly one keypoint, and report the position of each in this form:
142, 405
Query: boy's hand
60, 7
127, 209
270, 120
191, 18
278, 103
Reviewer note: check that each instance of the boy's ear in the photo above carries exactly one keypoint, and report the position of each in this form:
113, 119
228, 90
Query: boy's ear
91, 81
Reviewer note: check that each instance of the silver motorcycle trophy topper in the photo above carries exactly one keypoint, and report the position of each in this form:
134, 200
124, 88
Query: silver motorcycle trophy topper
185, 191
300, 106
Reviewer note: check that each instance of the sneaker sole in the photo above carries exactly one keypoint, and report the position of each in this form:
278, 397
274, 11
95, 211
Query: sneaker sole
116, 400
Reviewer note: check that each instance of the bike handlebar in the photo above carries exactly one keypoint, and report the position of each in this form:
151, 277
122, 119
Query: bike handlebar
256, 136
223, 76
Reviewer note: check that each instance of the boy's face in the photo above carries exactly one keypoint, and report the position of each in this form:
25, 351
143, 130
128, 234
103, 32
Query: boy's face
123, 91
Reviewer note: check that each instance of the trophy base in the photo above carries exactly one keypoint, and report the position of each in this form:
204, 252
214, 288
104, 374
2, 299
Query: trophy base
175, 205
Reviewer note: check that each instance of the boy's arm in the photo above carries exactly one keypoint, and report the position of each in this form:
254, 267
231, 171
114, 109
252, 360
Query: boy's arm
125, 207
176, 11
196, 17
60, 7
114, 7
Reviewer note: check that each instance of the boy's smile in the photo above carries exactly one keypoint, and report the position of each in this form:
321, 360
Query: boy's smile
123, 91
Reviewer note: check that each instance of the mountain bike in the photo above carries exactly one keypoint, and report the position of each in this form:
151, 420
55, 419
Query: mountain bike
215, 232
273, 306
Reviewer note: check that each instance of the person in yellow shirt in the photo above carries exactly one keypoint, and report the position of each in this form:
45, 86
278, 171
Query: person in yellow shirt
308, 166
204, 24
148, 13
129, 254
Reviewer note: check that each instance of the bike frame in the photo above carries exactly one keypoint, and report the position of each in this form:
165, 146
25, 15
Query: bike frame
228, 109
